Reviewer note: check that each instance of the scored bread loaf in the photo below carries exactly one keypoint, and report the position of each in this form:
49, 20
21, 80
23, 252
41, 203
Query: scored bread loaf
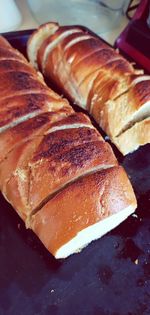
56, 170
97, 78
69, 221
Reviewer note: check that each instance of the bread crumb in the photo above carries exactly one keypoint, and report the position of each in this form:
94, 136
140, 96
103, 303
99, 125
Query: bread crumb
134, 215
52, 290
19, 225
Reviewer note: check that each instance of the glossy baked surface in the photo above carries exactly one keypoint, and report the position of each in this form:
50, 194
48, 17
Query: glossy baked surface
110, 277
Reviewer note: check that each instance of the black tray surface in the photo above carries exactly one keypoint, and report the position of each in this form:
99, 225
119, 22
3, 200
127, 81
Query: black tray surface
109, 277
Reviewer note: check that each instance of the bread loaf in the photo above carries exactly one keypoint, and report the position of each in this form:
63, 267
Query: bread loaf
97, 78
56, 170
70, 220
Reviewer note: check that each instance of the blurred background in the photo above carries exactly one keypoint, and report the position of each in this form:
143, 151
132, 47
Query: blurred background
105, 17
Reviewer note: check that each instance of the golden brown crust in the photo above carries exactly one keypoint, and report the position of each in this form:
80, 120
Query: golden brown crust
10, 53
140, 93
88, 65
59, 166
75, 119
49, 40
19, 106
83, 48
9, 65
15, 176
44, 154
29, 129
14, 82
57, 158
4, 43
99, 79
72, 210
36, 39
132, 107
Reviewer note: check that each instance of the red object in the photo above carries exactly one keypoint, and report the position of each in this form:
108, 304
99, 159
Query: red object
134, 41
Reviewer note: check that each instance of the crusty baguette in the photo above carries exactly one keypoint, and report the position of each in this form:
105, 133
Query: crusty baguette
98, 79
51, 157
71, 220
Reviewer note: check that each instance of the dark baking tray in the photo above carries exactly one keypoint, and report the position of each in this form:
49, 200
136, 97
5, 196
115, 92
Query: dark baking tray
109, 277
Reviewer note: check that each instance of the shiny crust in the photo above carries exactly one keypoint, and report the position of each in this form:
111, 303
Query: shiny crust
81, 49
23, 92
99, 79
13, 82
61, 33
14, 176
15, 107
75, 119
9, 53
29, 129
4, 43
71, 211
59, 165
49, 152
129, 105
58, 158
9, 65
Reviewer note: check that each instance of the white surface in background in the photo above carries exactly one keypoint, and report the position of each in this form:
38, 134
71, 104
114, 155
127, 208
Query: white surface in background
28, 22
10, 17
90, 13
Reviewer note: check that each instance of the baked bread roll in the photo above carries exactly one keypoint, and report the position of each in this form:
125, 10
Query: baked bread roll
54, 161
97, 78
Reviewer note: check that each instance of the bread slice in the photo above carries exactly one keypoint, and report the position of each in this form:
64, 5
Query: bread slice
127, 109
71, 50
119, 70
76, 50
37, 38
60, 55
51, 42
91, 87
88, 65
134, 137
73, 218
